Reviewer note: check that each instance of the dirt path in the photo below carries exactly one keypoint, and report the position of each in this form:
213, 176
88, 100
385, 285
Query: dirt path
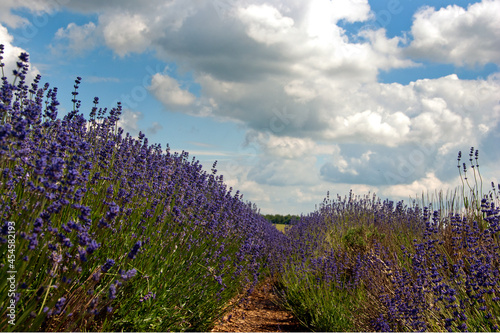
259, 313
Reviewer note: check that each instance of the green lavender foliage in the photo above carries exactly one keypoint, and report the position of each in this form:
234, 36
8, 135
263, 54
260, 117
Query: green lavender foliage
113, 233
362, 264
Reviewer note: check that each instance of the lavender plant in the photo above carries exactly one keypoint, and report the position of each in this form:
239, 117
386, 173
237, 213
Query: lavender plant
360, 264
329, 256
112, 233
107, 232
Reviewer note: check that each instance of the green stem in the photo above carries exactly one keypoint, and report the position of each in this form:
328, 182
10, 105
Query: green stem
45, 298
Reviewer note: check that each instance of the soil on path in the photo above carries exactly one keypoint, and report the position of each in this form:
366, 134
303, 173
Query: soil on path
259, 313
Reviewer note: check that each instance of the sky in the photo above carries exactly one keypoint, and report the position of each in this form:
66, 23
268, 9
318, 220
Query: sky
292, 98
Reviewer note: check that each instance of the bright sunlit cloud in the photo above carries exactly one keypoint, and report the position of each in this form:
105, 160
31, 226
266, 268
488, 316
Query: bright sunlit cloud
293, 98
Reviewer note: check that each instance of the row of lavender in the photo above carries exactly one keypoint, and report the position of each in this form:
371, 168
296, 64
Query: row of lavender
103, 231
360, 264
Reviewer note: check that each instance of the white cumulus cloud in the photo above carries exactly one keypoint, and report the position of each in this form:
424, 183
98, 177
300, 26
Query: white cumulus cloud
265, 23
308, 90
129, 121
168, 91
11, 55
429, 184
462, 36
35, 7
75, 39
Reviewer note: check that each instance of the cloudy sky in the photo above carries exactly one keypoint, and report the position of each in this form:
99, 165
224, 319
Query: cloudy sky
293, 98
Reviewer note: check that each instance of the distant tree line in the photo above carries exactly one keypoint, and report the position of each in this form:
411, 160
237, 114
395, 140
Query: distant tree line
281, 219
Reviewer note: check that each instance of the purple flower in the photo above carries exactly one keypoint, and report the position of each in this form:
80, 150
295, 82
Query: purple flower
33, 241
134, 250
24, 57
66, 228
84, 238
103, 224
112, 291
55, 257
106, 267
128, 275
67, 242
147, 296
114, 209
75, 226
92, 246
5, 228
83, 255
59, 305
97, 276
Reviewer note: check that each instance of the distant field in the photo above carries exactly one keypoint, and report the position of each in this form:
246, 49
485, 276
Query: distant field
280, 227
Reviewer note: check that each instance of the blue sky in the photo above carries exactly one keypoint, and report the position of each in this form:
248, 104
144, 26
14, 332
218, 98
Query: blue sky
292, 98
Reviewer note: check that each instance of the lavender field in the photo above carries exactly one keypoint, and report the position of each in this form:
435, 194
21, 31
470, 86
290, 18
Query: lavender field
362, 264
102, 231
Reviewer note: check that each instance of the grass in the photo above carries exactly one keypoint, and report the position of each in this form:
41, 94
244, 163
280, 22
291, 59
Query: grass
281, 227
362, 264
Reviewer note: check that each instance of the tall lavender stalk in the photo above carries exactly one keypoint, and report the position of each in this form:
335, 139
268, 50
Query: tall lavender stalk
111, 232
